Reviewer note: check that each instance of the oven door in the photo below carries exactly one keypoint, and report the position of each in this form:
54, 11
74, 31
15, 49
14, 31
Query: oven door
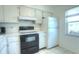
28, 41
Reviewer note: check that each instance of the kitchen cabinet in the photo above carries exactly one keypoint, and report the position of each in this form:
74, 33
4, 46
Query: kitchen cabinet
9, 44
39, 16
46, 15
11, 13
45, 20
42, 41
26, 11
1, 13
3, 44
44, 24
13, 44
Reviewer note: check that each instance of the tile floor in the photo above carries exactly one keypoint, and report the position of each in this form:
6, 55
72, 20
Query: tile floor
56, 50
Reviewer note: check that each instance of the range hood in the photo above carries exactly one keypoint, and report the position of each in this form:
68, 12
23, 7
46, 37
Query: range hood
27, 18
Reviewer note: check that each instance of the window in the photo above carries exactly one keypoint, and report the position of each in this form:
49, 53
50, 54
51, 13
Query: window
72, 21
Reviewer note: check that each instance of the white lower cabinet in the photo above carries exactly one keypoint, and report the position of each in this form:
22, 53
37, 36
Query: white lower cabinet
9, 44
14, 48
3, 44
13, 45
3, 50
42, 41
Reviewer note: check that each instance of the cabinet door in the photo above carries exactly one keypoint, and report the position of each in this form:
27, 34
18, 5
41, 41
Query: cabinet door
42, 41
25, 11
14, 44
45, 20
3, 45
11, 13
39, 16
44, 26
1, 13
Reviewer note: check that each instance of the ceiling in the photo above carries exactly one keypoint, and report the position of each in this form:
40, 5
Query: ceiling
53, 7
61, 7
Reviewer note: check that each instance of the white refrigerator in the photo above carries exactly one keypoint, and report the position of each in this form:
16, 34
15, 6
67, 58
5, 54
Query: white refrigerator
52, 32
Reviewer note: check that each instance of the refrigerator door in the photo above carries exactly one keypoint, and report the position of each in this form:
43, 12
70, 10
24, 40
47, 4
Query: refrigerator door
52, 38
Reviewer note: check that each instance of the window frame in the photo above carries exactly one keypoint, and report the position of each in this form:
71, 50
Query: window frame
66, 24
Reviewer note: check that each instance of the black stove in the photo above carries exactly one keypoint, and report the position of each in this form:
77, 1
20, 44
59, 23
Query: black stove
29, 43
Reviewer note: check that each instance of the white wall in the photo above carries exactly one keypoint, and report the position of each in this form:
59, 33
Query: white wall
41, 7
69, 42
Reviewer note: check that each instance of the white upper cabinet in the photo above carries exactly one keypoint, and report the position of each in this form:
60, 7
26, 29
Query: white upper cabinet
1, 14
11, 13
45, 20
26, 11
39, 16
